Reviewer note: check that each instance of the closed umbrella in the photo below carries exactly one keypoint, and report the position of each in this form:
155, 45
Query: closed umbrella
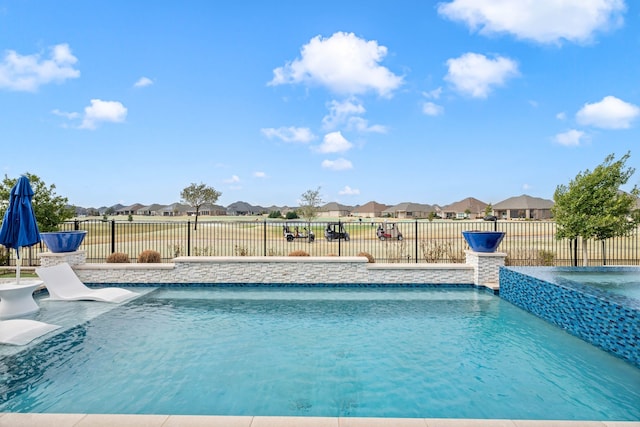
19, 226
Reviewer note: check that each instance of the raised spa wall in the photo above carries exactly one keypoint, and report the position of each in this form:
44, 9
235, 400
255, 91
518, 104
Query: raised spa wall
480, 269
598, 319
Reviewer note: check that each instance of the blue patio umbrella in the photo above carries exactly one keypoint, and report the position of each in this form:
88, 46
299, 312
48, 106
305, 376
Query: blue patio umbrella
19, 226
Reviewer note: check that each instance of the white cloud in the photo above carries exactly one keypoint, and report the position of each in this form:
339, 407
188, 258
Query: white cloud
337, 165
64, 114
526, 187
571, 138
610, 113
542, 21
28, 72
362, 125
433, 94
289, 134
476, 75
339, 112
143, 81
348, 191
103, 111
343, 63
431, 109
234, 179
346, 113
334, 142
259, 174
561, 116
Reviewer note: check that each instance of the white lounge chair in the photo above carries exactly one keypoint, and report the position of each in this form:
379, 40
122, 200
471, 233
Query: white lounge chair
63, 284
23, 331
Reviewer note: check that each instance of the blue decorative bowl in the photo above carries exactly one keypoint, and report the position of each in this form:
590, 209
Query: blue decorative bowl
63, 241
483, 241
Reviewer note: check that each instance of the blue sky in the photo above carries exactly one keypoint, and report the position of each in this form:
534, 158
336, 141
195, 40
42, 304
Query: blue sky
393, 101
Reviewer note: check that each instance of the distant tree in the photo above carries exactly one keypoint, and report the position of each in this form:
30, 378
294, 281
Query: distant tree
488, 209
130, 218
310, 201
467, 213
92, 212
275, 214
197, 195
431, 216
50, 209
109, 211
291, 215
593, 207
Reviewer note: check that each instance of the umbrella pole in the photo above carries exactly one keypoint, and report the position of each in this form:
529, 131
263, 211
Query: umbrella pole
18, 266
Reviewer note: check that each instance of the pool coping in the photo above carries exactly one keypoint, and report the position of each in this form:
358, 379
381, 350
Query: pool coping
129, 420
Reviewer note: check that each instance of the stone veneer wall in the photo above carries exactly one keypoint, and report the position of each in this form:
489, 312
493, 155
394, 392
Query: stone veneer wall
486, 267
601, 321
49, 259
324, 270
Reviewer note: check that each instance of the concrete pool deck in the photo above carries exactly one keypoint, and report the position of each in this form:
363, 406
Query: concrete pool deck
99, 420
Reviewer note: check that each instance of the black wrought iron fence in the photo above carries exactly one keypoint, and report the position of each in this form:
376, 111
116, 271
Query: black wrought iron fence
419, 241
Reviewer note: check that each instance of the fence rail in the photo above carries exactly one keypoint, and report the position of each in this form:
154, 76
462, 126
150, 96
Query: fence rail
438, 241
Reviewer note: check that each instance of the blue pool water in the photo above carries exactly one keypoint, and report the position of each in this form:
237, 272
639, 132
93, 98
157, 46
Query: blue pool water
624, 282
418, 352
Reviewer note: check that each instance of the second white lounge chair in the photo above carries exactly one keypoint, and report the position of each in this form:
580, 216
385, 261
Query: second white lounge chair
63, 284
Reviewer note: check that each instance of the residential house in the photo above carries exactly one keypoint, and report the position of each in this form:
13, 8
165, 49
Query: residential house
469, 208
407, 210
208, 209
286, 209
242, 208
151, 210
334, 210
174, 209
129, 210
523, 207
369, 210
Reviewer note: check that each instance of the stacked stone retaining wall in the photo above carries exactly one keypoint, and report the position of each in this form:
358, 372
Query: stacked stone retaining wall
304, 270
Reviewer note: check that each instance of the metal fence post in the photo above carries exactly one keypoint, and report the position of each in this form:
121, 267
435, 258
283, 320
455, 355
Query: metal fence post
188, 238
113, 236
416, 241
264, 237
339, 229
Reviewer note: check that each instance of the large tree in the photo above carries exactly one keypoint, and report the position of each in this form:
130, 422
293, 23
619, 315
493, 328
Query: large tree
310, 201
592, 206
50, 209
197, 195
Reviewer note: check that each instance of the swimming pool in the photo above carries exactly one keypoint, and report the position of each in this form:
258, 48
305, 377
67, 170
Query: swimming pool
329, 351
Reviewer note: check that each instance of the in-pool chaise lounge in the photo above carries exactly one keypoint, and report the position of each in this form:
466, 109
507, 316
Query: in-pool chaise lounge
23, 331
63, 284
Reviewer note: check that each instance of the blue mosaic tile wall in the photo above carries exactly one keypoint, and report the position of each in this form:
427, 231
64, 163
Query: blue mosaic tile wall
609, 322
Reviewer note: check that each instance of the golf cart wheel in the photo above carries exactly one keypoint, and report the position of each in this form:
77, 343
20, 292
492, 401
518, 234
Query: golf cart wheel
311, 239
399, 237
382, 238
289, 238
346, 238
